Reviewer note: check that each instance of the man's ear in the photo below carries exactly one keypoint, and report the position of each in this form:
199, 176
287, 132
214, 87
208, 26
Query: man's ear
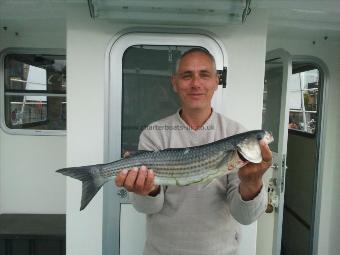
174, 83
217, 81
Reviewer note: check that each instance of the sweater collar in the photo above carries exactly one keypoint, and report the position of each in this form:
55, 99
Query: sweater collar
206, 126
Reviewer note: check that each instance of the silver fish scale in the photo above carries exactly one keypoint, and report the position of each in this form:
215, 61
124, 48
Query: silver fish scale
181, 162
172, 163
180, 167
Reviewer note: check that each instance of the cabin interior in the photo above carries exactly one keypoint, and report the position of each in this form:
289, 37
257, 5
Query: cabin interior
68, 52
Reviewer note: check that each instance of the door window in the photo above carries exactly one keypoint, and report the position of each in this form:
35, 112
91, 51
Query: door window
147, 91
303, 98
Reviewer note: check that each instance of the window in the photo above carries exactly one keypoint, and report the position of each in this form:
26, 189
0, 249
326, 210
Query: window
303, 98
34, 92
147, 71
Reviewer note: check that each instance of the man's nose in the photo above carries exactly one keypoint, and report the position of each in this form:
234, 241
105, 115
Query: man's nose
196, 81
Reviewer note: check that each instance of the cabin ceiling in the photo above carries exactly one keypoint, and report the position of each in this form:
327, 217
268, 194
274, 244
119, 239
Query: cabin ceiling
311, 19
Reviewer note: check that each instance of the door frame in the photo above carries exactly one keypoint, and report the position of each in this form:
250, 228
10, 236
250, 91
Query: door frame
314, 240
320, 145
113, 92
279, 171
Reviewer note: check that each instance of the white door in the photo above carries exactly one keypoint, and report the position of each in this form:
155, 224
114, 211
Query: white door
140, 92
278, 73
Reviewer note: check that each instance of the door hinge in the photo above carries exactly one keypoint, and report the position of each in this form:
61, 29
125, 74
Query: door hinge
222, 75
283, 173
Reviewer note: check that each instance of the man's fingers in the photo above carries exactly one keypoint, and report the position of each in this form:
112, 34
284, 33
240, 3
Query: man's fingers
149, 182
120, 178
130, 179
266, 152
140, 181
139, 184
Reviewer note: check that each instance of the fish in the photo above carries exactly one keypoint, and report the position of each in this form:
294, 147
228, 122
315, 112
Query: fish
177, 166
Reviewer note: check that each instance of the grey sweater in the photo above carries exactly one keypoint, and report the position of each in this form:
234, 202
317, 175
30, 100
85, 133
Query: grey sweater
195, 219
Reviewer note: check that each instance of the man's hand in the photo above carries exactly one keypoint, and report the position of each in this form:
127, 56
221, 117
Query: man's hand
139, 181
251, 174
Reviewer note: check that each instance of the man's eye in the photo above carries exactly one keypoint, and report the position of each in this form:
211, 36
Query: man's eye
205, 75
186, 76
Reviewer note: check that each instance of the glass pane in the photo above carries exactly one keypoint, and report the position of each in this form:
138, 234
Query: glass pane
294, 100
303, 115
311, 122
296, 120
35, 112
295, 84
272, 99
310, 79
147, 90
310, 100
32, 72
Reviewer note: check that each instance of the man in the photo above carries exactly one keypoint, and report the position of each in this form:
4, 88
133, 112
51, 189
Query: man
199, 218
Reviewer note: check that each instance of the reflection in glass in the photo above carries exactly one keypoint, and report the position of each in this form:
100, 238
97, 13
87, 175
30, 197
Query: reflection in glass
35, 72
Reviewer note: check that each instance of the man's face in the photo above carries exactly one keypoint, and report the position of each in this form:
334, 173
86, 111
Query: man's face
195, 81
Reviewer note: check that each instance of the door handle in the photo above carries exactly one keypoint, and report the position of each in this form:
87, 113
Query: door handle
275, 166
273, 199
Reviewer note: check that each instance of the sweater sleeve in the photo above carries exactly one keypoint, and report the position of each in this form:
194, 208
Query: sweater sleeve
245, 212
148, 204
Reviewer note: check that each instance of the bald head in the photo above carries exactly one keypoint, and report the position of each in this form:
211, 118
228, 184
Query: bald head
196, 50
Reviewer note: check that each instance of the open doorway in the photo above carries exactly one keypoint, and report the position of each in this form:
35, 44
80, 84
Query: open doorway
305, 102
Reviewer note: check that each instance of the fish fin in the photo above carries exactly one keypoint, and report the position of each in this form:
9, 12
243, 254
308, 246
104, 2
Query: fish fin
91, 179
128, 154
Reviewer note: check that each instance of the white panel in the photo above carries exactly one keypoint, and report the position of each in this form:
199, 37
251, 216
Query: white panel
28, 182
129, 219
36, 80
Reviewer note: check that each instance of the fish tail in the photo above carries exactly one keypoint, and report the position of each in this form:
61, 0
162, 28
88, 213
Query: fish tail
91, 179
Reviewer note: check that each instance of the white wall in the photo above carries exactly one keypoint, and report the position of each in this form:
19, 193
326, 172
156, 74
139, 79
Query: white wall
87, 42
329, 52
28, 182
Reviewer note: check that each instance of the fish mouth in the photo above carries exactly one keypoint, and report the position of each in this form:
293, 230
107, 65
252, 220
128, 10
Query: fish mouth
251, 151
